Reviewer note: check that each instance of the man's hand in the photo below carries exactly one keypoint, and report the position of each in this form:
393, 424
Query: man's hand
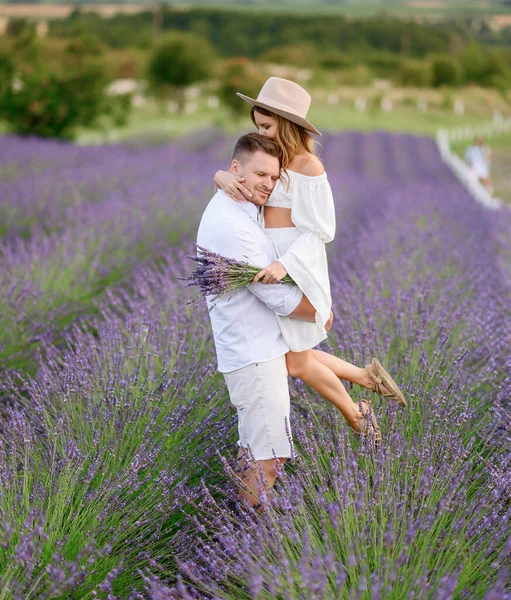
271, 274
328, 324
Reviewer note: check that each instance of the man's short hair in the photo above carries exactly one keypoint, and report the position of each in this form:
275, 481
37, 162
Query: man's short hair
248, 144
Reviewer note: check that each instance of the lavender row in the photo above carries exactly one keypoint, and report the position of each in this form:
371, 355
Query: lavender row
419, 278
48, 186
96, 450
93, 213
90, 215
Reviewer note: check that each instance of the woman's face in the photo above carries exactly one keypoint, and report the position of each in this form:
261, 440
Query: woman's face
266, 125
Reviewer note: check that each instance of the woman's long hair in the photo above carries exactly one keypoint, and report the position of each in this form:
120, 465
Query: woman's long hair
290, 136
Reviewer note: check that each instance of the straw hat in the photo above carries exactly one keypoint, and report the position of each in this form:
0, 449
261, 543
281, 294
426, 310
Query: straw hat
286, 99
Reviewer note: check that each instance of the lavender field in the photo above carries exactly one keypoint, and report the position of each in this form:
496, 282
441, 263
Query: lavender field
117, 438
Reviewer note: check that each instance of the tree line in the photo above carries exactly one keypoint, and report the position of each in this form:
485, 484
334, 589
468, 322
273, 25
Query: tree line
240, 33
410, 52
48, 97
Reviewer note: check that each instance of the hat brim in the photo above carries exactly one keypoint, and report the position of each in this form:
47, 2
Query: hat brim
282, 113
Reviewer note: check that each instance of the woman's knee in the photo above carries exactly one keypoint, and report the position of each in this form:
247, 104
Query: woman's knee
296, 363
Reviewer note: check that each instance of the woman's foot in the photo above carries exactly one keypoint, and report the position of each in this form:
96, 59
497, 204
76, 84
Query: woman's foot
383, 384
367, 424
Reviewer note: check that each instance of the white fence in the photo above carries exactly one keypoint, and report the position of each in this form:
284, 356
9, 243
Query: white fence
458, 166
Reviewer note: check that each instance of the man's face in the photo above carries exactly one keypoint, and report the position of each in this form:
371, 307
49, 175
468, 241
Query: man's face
261, 171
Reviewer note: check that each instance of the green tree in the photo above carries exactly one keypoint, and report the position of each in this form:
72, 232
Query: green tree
239, 75
446, 71
18, 25
497, 72
299, 55
38, 100
7, 72
333, 59
415, 73
177, 61
473, 60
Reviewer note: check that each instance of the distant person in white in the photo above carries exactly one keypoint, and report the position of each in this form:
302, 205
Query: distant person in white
249, 344
478, 157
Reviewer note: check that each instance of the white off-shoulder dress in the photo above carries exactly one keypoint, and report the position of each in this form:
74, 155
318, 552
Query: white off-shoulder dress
301, 250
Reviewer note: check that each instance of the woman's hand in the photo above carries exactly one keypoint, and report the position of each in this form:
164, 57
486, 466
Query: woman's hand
271, 274
328, 324
232, 185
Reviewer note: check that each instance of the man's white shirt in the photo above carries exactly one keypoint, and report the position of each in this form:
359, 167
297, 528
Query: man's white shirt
245, 326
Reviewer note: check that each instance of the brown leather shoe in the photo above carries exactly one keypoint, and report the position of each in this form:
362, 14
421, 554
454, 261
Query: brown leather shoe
384, 385
369, 426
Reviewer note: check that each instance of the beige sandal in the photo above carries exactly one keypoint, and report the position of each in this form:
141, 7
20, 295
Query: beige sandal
384, 385
369, 427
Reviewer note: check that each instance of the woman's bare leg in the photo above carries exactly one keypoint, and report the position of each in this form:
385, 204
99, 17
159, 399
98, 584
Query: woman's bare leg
344, 370
305, 366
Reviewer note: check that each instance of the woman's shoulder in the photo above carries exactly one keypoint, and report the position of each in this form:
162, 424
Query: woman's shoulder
307, 165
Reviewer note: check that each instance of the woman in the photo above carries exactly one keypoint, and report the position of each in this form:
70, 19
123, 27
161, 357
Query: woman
299, 219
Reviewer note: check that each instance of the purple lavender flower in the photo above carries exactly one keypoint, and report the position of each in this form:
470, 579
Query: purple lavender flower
117, 439
217, 275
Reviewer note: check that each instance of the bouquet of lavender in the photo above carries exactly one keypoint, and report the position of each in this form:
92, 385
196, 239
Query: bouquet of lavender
217, 275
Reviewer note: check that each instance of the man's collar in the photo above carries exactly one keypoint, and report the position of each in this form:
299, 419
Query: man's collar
251, 209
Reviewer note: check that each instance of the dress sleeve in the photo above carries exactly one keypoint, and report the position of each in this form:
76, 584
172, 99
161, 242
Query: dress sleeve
313, 207
313, 213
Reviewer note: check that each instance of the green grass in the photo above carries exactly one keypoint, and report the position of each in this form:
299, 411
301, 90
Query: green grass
356, 8
399, 8
501, 142
107, 485
152, 126
402, 119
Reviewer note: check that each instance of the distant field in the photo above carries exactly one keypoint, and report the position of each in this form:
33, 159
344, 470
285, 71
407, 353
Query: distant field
499, 14
428, 9
61, 11
149, 125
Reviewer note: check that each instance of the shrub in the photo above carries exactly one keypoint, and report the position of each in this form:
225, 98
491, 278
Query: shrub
333, 59
473, 60
383, 64
179, 60
496, 69
447, 101
416, 73
446, 71
18, 26
36, 99
7, 71
239, 75
358, 75
298, 55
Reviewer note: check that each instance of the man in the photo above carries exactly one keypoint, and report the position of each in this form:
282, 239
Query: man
249, 345
477, 157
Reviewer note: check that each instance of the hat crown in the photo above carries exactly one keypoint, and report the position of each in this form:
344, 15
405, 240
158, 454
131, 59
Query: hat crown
286, 99
285, 95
